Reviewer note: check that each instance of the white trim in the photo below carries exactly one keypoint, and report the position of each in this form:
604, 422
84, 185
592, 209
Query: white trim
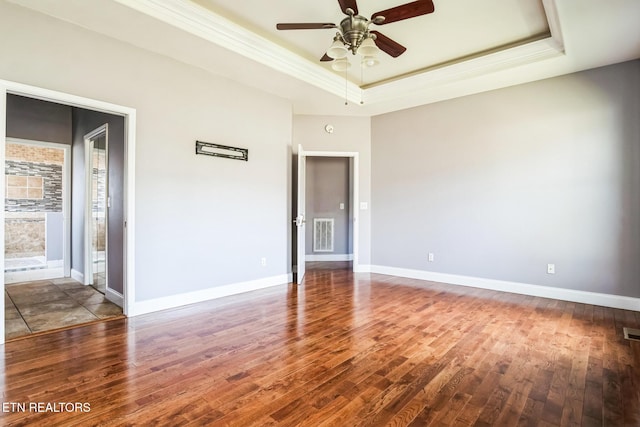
129, 208
300, 221
57, 263
356, 195
362, 268
89, 138
115, 297
173, 301
585, 297
66, 211
329, 257
484, 65
30, 275
3, 191
553, 20
204, 23
76, 275
331, 153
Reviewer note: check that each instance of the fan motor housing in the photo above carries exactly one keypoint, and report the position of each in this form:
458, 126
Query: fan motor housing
354, 29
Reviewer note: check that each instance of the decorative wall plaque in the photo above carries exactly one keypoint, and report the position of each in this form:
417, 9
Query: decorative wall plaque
218, 150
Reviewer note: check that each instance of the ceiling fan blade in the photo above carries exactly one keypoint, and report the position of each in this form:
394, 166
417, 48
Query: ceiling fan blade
405, 11
348, 4
326, 58
305, 26
387, 45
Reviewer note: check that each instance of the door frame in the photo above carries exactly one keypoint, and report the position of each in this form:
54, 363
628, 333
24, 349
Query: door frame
66, 194
355, 190
88, 204
129, 114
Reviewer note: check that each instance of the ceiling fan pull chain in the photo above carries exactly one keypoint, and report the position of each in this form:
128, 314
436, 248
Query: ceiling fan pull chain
361, 81
345, 86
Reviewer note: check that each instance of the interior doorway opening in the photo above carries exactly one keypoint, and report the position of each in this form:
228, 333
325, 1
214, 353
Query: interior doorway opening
303, 221
79, 116
329, 209
96, 223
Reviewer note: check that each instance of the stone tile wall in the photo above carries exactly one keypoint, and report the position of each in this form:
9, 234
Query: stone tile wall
33, 187
24, 234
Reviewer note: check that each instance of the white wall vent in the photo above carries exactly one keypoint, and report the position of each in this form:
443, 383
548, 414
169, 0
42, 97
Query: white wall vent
323, 234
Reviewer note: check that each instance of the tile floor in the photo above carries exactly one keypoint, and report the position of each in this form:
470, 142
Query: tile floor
52, 304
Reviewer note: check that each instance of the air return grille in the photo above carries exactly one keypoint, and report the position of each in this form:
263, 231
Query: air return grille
323, 234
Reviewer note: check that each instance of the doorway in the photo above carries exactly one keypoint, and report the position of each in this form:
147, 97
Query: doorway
329, 208
301, 215
96, 221
127, 115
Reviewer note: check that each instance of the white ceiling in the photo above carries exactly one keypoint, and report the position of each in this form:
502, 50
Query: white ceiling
464, 47
457, 29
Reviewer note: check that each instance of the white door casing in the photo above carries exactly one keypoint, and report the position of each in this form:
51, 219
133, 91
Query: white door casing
300, 220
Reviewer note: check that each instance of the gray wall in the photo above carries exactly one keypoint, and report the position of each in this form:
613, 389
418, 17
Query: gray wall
327, 186
201, 222
85, 121
498, 185
32, 119
55, 237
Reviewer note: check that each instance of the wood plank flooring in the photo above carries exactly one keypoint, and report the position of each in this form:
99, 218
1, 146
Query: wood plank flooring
341, 350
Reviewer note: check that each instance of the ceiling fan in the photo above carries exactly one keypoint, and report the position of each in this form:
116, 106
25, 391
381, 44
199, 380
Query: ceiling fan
354, 34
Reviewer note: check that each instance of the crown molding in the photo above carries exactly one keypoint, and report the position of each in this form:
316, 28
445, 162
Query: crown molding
476, 67
207, 25
214, 28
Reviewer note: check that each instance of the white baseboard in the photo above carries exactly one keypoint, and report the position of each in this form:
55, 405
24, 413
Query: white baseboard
585, 297
31, 275
76, 275
173, 301
58, 263
114, 297
361, 268
329, 257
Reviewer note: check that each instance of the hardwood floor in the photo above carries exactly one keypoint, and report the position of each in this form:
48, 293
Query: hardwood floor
341, 350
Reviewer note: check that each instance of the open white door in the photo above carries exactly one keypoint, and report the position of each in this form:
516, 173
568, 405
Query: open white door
300, 218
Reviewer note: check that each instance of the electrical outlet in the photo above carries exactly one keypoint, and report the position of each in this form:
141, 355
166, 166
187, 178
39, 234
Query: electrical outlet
263, 261
551, 269
430, 257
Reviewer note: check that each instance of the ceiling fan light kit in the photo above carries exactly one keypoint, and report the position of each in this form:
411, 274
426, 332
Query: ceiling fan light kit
341, 64
337, 49
368, 47
370, 61
354, 34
